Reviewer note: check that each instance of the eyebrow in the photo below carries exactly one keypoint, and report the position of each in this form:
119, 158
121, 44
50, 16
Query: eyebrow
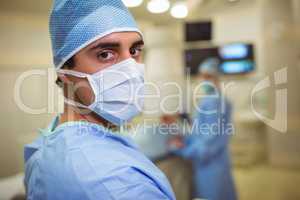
104, 45
138, 43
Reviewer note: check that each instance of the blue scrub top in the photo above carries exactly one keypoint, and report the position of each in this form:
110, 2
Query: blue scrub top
81, 160
207, 147
210, 132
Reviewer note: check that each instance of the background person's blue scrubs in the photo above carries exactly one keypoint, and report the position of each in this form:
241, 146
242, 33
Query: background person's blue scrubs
81, 161
208, 151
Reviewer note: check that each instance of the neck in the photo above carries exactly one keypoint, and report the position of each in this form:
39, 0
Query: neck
72, 113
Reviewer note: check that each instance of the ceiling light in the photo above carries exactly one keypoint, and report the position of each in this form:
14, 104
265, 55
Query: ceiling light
158, 6
179, 10
132, 3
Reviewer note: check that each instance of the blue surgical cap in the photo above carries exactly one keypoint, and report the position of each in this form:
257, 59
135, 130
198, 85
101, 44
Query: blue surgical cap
209, 66
74, 24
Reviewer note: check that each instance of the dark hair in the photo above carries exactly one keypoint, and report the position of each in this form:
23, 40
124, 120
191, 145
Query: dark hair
67, 65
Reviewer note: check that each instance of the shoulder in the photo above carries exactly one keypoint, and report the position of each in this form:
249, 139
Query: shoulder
32, 148
96, 163
130, 183
122, 173
121, 169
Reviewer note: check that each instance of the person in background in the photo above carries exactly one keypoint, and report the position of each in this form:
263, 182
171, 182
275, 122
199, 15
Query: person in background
207, 144
174, 167
80, 156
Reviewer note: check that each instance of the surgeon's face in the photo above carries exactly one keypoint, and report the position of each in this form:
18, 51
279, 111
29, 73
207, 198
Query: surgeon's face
101, 54
207, 77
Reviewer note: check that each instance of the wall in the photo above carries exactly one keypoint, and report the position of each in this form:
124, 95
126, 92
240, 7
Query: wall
28, 34
281, 45
282, 50
24, 45
164, 67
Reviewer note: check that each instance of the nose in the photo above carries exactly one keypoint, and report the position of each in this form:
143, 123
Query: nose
124, 55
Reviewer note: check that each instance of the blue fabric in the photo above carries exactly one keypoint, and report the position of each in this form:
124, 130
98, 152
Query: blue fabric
80, 160
208, 150
74, 24
152, 141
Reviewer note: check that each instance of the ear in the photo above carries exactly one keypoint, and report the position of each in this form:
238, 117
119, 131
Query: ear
64, 78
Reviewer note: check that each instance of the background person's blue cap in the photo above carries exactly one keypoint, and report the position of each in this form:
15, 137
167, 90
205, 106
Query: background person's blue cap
74, 24
209, 66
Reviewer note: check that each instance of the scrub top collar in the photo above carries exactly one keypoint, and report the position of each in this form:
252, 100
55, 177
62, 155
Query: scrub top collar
55, 128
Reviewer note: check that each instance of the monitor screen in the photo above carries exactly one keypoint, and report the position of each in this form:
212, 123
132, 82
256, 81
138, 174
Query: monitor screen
237, 67
237, 58
198, 31
236, 51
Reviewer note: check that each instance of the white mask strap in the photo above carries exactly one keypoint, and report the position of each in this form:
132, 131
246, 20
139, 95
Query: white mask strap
74, 103
73, 73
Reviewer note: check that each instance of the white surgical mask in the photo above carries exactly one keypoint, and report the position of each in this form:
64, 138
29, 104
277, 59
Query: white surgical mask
118, 90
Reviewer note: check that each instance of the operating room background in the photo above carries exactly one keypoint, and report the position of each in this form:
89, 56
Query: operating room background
273, 26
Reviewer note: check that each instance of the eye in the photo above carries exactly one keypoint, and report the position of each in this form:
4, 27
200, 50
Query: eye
136, 51
106, 55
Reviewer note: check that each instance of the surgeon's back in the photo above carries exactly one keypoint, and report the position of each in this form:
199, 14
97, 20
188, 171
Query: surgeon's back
82, 161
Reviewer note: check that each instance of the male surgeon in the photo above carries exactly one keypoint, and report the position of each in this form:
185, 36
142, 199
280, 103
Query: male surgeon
80, 156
